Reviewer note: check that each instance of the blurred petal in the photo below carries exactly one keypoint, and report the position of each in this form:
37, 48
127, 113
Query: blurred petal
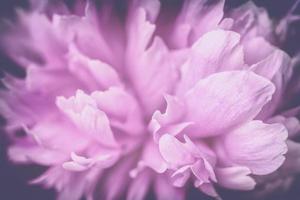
83, 111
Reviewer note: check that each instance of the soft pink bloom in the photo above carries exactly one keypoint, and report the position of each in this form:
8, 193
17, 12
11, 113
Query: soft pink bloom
117, 102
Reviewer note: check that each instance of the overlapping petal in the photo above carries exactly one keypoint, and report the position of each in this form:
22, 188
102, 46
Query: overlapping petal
117, 100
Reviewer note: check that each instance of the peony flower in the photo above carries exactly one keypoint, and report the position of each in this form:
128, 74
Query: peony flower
120, 99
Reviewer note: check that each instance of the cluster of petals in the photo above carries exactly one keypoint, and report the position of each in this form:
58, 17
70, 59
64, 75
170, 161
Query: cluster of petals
120, 100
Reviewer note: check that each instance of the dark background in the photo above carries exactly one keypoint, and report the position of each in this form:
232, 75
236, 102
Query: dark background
14, 178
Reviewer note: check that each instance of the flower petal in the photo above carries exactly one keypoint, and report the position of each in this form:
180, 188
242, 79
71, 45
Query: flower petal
252, 21
271, 65
124, 115
152, 75
83, 111
236, 178
28, 154
165, 190
171, 121
139, 186
94, 73
258, 146
190, 24
173, 151
224, 100
152, 158
215, 51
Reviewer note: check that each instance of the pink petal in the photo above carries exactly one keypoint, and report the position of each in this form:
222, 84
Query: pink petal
173, 151
190, 24
165, 190
181, 176
209, 189
82, 110
171, 121
258, 146
236, 178
81, 163
215, 110
124, 115
139, 32
215, 51
270, 65
40, 80
28, 154
250, 47
93, 73
292, 124
152, 158
252, 21
56, 133
139, 186
117, 179
152, 74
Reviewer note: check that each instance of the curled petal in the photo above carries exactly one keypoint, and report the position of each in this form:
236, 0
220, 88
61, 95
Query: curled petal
173, 151
171, 121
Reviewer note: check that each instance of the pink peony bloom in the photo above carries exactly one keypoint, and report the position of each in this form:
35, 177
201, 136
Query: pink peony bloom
117, 102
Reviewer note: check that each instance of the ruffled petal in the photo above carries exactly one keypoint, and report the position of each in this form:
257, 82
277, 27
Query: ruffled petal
83, 111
